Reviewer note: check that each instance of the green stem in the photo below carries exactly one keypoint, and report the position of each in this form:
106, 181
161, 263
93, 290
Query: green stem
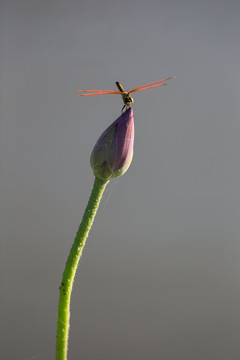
65, 289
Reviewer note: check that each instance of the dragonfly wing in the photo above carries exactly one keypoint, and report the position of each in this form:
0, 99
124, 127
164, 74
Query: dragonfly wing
96, 91
145, 88
100, 93
147, 85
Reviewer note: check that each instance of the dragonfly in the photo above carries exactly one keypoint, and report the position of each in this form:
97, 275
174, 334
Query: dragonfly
126, 97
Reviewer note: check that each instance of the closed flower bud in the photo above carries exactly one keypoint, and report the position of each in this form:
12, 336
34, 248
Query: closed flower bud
113, 152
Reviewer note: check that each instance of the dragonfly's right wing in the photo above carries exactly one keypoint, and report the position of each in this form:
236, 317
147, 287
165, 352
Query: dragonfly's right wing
149, 86
98, 92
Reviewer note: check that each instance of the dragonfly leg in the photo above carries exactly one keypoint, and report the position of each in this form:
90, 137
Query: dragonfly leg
125, 107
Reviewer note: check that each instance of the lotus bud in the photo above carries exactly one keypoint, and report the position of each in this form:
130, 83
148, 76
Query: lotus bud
113, 152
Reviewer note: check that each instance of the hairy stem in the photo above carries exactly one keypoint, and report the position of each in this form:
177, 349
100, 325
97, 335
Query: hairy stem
65, 289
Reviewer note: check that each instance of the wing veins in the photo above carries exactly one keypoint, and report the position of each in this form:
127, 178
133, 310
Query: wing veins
146, 88
147, 85
100, 93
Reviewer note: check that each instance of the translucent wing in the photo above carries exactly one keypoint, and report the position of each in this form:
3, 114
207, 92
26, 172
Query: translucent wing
149, 86
145, 88
97, 92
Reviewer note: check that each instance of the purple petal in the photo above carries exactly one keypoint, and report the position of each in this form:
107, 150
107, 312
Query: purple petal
124, 139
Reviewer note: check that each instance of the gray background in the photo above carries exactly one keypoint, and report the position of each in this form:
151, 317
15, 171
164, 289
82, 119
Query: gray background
159, 277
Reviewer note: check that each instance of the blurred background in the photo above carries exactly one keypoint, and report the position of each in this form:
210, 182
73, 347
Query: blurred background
159, 277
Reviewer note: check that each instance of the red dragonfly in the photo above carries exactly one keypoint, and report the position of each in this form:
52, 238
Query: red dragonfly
127, 99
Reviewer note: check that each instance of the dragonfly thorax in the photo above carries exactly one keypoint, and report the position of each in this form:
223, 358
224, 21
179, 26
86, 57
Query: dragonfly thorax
127, 99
